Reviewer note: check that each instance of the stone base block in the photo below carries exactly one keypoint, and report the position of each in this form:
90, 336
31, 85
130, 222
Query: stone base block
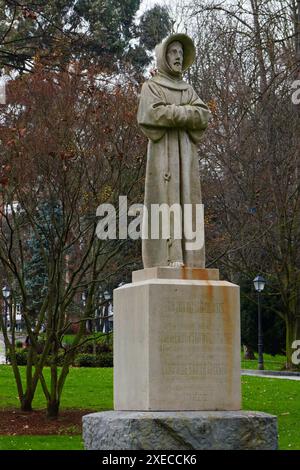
190, 430
177, 342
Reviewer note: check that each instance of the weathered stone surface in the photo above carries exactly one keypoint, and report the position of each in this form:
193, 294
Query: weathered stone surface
198, 430
177, 345
174, 119
175, 273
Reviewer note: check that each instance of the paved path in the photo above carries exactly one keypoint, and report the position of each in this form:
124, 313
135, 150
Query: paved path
272, 374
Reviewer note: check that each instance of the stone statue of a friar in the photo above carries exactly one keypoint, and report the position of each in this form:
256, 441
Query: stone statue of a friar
174, 118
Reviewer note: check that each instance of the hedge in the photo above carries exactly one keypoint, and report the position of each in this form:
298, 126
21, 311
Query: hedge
90, 360
104, 359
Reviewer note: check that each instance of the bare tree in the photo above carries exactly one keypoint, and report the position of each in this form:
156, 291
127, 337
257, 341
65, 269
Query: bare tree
68, 145
247, 59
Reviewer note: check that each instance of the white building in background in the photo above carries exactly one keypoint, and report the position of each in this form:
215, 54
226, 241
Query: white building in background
108, 319
12, 208
17, 315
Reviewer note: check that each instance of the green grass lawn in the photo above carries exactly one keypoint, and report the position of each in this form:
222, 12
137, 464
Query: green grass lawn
270, 362
86, 388
92, 388
279, 397
41, 443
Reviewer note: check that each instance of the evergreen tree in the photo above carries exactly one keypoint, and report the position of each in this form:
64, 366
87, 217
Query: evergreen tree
48, 222
155, 25
40, 29
99, 30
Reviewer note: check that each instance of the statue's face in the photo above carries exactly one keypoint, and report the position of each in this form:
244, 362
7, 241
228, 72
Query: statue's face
175, 56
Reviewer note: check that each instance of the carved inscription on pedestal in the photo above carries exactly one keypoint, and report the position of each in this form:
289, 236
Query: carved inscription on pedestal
194, 343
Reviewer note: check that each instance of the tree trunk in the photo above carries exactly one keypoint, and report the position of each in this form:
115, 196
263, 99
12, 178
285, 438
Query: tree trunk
26, 401
53, 408
297, 38
297, 48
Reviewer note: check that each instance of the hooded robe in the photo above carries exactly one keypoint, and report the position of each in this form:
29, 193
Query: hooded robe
173, 118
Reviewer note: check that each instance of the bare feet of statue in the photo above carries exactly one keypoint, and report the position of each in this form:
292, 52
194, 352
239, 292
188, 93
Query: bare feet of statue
176, 264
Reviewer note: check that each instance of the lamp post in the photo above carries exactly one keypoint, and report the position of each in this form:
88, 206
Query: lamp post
6, 295
84, 299
106, 322
259, 285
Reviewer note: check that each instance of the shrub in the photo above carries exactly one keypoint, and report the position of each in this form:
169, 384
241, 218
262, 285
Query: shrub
86, 348
103, 345
103, 348
59, 361
21, 356
19, 344
85, 360
105, 359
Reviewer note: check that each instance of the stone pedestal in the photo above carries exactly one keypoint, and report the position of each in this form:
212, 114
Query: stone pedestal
177, 368
177, 341
186, 430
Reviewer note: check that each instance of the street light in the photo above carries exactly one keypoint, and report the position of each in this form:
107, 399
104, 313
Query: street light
6, 292
88, 323
6, 295
83, 298
259, 285
106, 312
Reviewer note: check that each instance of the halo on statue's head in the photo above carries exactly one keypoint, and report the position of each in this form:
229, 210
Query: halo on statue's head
189, 52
